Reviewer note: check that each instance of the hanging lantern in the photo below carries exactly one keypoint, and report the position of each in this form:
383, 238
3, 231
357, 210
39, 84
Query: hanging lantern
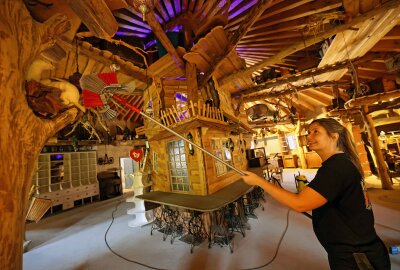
190, 138
75, 78
143, 6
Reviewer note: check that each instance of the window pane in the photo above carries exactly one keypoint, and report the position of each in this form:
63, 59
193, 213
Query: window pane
177, 164
228, 155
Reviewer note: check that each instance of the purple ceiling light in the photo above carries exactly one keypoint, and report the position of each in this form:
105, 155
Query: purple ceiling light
170, 9
122, 33
150, 44
234, 4
242, 9
134, 28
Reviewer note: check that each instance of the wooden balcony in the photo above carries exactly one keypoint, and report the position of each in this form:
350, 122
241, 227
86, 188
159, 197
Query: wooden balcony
176, 116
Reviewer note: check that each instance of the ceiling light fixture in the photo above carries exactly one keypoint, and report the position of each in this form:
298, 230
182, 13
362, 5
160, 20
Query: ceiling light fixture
143, 6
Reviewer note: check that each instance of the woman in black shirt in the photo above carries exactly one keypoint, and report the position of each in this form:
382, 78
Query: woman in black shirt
342, 215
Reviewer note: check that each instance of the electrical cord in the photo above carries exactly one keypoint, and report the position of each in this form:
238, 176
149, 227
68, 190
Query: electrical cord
276, 181
155, 268
277, 247
115, 253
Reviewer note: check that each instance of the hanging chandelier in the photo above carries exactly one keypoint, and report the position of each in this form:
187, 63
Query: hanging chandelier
143, 6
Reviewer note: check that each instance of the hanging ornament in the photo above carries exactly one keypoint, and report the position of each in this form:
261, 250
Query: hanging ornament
143, 6
190, 138
275, 117
114, 67
75, 78
136, 154
149, 110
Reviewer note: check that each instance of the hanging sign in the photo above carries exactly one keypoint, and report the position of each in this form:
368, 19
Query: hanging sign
136, 154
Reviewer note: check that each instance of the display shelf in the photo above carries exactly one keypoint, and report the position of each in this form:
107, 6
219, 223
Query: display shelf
67, 178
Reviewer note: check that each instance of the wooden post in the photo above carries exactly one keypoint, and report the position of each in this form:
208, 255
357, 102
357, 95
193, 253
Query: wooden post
160, 34
382, 167
96, 15
191, 82
300, 153
22, 133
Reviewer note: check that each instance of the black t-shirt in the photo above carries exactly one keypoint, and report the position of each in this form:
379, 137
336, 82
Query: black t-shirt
346, 220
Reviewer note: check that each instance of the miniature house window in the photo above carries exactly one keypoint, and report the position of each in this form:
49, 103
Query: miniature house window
178, 166
219, 148
181, 104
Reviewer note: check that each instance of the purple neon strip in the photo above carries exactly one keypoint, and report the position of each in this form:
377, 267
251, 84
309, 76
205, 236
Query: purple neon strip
170, 9
133, 20
119, 33
134, 28
177, 28
149, 44
234, 4
177, 4
242, 9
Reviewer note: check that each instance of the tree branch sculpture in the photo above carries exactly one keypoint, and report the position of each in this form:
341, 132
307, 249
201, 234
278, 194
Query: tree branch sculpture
22, 133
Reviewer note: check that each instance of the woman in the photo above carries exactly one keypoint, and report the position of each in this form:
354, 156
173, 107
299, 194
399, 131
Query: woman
342, 216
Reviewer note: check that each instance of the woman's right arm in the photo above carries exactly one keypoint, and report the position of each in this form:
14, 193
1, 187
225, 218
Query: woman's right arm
306, 200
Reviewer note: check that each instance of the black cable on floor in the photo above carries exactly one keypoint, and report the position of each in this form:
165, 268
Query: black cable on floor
278, 246
115, 253
155, 268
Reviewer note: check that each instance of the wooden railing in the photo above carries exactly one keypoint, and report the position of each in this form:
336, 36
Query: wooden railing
199, 110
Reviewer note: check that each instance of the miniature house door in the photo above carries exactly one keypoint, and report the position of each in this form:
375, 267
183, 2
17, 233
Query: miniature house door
178, 172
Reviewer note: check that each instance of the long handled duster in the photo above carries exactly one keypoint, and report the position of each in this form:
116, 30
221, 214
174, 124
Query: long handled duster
99, 89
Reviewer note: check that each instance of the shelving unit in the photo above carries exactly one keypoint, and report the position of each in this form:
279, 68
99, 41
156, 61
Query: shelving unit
283, 143
67, 178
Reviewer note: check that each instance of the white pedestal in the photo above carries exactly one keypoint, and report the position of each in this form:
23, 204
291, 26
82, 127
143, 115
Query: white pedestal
140, 215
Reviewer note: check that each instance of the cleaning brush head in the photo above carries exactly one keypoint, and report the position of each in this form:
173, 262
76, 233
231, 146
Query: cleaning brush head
92, 83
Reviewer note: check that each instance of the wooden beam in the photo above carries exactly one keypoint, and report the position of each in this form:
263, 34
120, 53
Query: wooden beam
303, 11
308, 73
365, 100
318, 96
351, 7
271, 94
251, 17
279, 57
96, 15
126, 67
163, 38
191, 75
382, 167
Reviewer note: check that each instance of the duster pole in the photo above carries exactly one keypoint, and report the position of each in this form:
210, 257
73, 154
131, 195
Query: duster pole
124, 102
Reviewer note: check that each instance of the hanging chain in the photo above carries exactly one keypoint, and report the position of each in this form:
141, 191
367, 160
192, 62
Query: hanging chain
76, 55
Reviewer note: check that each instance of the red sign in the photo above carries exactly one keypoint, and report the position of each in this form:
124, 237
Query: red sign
136, 154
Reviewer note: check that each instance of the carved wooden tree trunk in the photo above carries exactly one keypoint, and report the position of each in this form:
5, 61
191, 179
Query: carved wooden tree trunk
22, 134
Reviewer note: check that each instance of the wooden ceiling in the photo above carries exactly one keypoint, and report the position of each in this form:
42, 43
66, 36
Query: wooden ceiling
318, 49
